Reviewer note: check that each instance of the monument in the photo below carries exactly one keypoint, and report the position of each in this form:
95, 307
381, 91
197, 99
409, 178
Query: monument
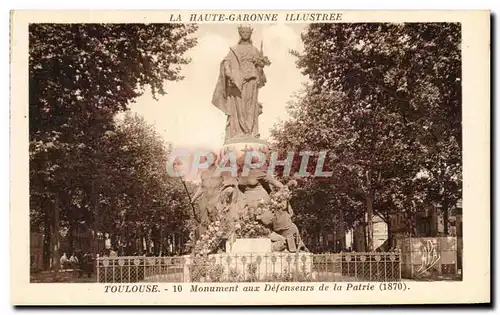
245, 227
247, 212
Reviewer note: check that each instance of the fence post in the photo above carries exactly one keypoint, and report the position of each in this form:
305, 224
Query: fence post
105, 272
384, 259
356, 266
341, 258
399, 255
113, 261
297, 269
129, 266
370, 262
97, 267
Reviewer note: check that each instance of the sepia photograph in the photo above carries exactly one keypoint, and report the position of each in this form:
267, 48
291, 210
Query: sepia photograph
280, 150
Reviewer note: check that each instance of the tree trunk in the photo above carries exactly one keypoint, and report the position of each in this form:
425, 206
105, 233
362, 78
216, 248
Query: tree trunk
369, 222
93, 208
161, 241
114, 242
55, 234
174, 243
387, 221
141, 242
322, 237
71, 238
361, 235
369, 211
389, 234
151, 242
445, 210
363, 241
47, 236
342, 229
446, 221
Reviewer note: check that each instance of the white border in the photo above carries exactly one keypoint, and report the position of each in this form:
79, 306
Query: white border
95, 4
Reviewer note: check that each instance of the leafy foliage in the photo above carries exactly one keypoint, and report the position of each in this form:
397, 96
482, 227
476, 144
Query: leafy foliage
83, 167
385, 101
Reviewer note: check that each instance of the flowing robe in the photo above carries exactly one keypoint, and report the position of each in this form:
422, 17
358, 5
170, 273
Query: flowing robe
238, 98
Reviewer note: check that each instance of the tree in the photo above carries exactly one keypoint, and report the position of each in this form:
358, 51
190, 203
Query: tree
81, 75
380, 95
147, 202
321, 204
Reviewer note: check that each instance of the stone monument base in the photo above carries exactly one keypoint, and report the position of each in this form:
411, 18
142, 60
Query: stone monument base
249, 246
243, 144
251, 260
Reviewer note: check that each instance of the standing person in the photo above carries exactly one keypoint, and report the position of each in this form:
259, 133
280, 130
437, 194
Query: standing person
90, 264
64, 261
73, 261
87, 264
84, 263
79, 257
338, 246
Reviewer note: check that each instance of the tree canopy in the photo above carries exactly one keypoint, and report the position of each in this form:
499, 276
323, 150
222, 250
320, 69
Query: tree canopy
83, 166
385, 100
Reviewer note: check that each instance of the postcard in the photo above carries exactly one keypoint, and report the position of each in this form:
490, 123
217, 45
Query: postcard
250, 157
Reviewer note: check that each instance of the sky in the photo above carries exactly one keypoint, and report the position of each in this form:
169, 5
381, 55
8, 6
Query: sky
185, 116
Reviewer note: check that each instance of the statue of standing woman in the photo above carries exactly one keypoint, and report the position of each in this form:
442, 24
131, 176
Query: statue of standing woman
240, 78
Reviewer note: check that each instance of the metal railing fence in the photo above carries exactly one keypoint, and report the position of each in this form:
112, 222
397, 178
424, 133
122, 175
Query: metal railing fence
273, 267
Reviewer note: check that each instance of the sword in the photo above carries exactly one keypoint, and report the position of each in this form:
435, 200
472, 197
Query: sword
189, 197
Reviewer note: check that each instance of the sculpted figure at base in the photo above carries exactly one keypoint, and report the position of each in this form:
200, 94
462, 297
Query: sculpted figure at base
207, 197
257, 187
226, 200
220, 203
232, 202
236, 92
285, 234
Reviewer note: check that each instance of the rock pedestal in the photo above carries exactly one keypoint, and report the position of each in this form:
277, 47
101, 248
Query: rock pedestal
251, 259
249, 246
